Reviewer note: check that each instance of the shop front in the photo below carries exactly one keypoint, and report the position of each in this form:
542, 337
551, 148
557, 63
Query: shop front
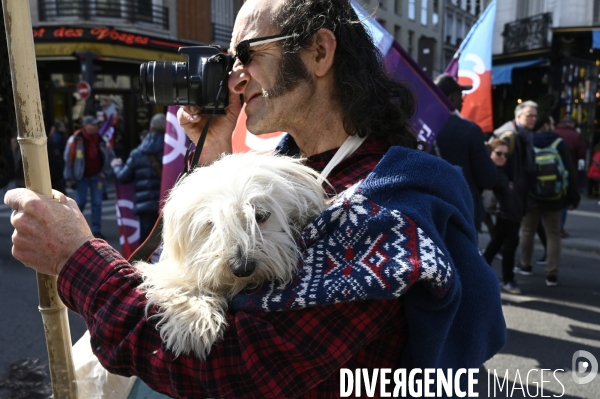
109, 61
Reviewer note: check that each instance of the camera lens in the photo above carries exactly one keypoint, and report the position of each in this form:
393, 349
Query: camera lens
164, 83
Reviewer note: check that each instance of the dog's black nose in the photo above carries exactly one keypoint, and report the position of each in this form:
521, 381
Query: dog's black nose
241, 268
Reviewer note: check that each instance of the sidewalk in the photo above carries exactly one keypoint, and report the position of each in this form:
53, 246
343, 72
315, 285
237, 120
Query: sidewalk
582, 225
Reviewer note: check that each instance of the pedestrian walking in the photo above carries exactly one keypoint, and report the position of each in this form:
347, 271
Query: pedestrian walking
461, 143
555, 189
87, 164
505, 237
566, 129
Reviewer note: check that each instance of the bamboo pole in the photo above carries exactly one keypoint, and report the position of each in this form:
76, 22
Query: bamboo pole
32, 140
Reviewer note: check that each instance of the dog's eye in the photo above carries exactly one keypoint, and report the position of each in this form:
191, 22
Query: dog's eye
262, 216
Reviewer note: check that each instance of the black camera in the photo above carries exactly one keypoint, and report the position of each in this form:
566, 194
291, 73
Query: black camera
202, 81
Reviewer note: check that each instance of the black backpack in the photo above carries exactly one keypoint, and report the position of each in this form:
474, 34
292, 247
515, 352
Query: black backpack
551, 176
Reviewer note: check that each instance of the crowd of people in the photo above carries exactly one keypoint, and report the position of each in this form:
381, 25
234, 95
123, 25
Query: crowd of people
440, 304
526, 180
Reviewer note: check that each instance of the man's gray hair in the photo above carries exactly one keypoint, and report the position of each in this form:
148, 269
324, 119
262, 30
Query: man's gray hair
158, 123
525, 104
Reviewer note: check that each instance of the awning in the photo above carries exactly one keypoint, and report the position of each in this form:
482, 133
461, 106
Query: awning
502, 74
596, 39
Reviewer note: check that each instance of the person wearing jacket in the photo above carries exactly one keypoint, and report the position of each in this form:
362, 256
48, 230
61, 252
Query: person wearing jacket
87, 164
144, 167
390, 276
548, 210
460, 142
508, 218
578, 149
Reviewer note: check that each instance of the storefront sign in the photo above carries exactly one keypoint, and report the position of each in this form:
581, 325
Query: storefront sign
102, 34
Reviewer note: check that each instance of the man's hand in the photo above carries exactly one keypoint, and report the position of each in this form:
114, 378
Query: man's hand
115, 162
48, 231
218, 139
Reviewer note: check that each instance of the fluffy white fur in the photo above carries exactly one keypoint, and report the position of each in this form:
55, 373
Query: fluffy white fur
244, 210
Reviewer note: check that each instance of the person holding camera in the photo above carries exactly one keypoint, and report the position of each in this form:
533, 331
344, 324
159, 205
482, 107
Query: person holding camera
309, 68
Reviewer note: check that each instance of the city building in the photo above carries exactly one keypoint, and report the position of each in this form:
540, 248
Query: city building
416, 25
103, 43
544, 51
459, 17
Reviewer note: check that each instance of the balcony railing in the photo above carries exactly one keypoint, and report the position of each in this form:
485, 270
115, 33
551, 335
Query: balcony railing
221, 33
527, 34
131, 11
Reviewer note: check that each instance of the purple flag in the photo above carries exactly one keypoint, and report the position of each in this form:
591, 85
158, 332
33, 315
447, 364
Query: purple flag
433, 107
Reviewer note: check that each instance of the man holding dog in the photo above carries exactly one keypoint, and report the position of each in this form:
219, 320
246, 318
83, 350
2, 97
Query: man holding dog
392, 277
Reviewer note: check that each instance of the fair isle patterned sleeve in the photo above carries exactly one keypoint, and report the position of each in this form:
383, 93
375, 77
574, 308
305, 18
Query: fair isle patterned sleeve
356, 250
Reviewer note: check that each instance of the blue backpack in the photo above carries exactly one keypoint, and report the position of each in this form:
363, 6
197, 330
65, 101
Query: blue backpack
551, 176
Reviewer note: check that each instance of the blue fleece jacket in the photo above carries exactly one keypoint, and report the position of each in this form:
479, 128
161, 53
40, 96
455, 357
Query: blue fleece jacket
409, 228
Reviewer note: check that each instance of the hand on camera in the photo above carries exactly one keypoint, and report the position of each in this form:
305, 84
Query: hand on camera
218, 139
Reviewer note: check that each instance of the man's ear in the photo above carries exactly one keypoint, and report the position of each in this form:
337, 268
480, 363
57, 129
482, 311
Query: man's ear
323, 51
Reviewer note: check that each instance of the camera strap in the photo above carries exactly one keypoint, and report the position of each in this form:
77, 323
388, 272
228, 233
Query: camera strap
152, 243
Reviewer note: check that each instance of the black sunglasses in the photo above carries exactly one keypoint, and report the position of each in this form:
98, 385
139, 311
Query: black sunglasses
242, 50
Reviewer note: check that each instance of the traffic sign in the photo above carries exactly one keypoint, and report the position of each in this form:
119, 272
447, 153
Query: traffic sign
84, 89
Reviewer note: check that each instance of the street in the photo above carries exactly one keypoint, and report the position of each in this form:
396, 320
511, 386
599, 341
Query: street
546, 326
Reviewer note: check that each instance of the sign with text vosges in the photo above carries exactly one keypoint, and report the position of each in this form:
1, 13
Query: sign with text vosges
102, 34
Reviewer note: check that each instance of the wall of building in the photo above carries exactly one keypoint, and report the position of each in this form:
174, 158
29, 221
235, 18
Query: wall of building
194, 20
412, 22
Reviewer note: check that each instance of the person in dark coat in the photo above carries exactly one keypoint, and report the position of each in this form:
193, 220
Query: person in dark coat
578, 149
548, 210
508, 219
461, 143
57, 141
144, 166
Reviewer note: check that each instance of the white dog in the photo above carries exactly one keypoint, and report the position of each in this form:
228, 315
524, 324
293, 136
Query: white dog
227, 226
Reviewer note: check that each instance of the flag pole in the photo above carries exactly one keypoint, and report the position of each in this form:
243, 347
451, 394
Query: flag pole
32, 140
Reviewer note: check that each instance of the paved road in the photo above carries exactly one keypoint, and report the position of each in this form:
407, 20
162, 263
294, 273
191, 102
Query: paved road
546, 326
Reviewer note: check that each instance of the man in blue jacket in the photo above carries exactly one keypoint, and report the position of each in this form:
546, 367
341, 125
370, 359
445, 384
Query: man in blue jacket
461, 143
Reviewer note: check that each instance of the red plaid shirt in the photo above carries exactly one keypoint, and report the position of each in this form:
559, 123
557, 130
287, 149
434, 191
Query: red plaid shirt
263, 355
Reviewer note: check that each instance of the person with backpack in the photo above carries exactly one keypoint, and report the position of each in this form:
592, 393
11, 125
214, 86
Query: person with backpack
144, 167
554, 187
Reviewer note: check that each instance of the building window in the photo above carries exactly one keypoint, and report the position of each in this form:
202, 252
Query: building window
411, 10
223, 16
522, 9
459, 31
398, 7
424, 15
112, 8
382, 4
411, 35
596, 11
449, 28
477, 7
397, 32
381, 22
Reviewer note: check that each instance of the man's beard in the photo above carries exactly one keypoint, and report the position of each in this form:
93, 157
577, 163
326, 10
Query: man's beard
291, 73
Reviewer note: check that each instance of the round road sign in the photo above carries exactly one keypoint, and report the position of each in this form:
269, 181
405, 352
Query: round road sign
84, 89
